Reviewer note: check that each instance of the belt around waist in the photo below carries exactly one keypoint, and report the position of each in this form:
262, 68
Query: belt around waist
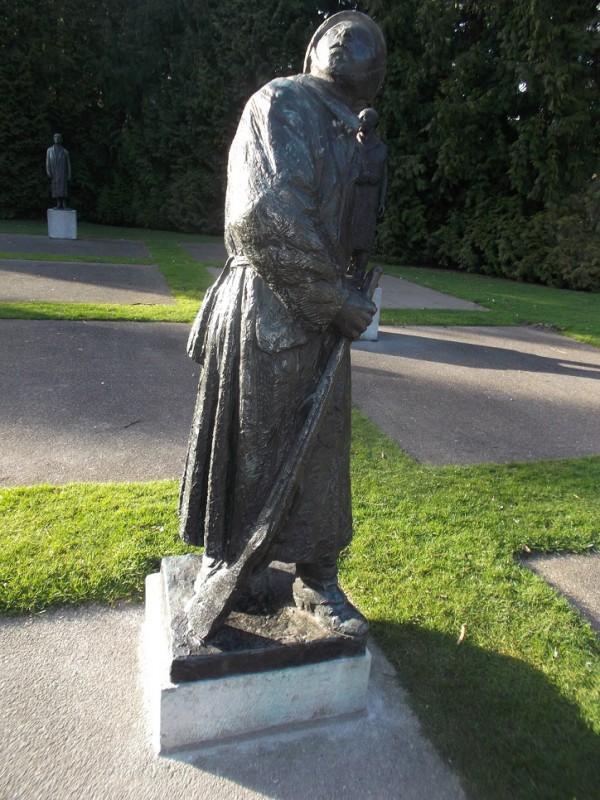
235, 262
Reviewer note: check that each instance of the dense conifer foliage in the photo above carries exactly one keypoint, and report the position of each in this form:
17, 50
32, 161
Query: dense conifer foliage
490, 112
147, 95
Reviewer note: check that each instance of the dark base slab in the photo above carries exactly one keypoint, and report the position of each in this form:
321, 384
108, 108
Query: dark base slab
265, 631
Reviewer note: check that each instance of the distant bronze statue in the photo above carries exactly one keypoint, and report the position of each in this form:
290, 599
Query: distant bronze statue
369, 194
58, 168
267, 475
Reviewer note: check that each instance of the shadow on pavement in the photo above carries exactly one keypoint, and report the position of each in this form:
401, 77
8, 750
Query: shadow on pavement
73, 281
36, 243
481, 356
94, 401
466, 417
76, 726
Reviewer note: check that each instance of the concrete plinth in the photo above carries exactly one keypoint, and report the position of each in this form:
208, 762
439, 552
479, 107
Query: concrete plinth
372, 332
197, 712
62, 223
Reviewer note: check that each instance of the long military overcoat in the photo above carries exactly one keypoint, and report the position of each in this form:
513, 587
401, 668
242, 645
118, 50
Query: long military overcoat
58, 168
263, 335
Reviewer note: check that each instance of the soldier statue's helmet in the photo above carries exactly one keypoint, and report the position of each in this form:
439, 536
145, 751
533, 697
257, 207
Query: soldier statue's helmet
372, 77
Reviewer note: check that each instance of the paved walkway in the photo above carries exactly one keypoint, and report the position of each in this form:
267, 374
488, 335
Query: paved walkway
93, 401
111, 248
82, 282
113, 401
74, 726
576, 576
396, 292
208, 252
474, 395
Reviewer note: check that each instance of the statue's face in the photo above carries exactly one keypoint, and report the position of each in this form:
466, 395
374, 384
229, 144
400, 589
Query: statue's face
345, 52
57, 138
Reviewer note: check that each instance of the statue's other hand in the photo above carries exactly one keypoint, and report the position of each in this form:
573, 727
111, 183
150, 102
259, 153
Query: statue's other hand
355, 315
381, 211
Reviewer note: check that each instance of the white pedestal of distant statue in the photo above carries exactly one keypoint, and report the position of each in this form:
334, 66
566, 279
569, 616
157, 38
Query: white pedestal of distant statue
62, 223
372, 332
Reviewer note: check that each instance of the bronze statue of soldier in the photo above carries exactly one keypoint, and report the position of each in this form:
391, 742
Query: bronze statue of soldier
267, 475
58, 169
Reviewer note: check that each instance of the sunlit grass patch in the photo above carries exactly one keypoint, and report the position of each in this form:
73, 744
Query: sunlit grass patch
83, 542
503, 672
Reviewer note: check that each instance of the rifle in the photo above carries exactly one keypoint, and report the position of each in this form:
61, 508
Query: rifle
215, 596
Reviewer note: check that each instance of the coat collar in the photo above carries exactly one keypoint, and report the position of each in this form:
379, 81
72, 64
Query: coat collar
340, 110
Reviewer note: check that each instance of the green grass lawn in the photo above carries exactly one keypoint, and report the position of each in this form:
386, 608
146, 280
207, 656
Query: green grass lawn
515, 706
576, 314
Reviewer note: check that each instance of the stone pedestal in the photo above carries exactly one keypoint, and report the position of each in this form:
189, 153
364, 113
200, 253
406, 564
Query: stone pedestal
62, 223
270, 665
372, 332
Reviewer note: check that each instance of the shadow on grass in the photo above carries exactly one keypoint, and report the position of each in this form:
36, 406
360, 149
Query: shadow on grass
503, 726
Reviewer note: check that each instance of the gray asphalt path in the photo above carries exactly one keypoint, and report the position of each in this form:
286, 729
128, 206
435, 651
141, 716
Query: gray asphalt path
74, 725
93, 401
398, 293
76, 282
475, 395
111, 248
206, 251
576, 576
113, 401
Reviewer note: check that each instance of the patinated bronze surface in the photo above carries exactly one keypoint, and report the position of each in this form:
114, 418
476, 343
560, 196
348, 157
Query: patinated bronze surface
263, 632
267, 470
58, 169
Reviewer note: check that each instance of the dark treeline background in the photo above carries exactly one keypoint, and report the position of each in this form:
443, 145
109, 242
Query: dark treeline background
490, 112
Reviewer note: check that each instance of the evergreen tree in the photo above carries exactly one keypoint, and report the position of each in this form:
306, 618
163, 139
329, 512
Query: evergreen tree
495, 105
23, 132
490, 112
208, 58
52, 56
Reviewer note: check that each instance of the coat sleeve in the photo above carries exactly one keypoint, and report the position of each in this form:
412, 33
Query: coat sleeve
273, 216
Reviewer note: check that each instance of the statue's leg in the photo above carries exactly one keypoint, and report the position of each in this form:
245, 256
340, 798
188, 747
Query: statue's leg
316, 590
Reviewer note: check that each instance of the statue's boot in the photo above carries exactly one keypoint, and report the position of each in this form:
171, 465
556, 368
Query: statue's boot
330, 606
